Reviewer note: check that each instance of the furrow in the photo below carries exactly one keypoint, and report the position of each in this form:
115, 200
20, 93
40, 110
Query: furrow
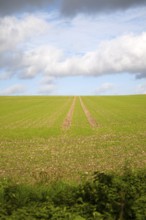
89, 117
68, 119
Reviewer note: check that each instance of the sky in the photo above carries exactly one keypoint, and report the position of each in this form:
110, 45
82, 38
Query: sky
72, 47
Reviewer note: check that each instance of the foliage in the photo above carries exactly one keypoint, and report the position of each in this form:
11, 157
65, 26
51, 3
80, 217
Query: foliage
104, 197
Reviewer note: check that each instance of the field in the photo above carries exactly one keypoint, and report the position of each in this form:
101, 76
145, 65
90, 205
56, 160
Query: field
68, 138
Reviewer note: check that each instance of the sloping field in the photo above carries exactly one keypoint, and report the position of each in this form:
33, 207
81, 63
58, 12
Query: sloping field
34, 144
68, 120
27, 117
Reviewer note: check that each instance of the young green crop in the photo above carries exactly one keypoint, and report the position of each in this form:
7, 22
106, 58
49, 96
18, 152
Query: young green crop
118, 114
27, 117
33, 143
80, 125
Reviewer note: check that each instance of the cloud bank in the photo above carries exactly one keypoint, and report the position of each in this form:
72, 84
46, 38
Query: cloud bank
67, 7
14, 6
120, 55
124, 54
73, 7
38, 48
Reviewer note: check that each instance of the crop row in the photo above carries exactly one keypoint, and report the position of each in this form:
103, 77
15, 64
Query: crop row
28, 153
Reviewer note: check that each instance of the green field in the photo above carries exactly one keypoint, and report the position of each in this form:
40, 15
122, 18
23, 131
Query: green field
34, 144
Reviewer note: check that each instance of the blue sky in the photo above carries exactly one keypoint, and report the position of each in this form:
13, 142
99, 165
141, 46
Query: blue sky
72, 47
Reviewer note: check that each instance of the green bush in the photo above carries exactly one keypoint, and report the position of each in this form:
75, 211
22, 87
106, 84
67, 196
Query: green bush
104, 197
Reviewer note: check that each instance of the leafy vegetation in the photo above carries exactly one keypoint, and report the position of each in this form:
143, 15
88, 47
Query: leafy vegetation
104, 197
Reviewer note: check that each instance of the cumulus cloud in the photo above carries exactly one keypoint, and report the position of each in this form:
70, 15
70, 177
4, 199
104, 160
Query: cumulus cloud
14, 31
124, 54
120, 55
72, 7
16, 36
40, 60
105, 88
13, 90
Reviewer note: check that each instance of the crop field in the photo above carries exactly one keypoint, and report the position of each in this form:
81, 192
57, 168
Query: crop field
51, 138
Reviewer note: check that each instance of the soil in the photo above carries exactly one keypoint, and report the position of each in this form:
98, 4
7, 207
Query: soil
68, 119
89, 117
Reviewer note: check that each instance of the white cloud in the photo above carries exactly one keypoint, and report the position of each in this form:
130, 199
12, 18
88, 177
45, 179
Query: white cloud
120, 55
14, 31
141, 88
47, 85
46, 89
46, 46
105, 88
47, 80
40, 60
17, 36
124, 54
25, 60
14, 89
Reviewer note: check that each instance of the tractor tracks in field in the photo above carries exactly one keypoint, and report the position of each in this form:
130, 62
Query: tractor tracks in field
89, 117
68, 119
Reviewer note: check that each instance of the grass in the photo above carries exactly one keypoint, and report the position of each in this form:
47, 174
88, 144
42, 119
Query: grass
28, 117
33, 144
119, 114
80, 125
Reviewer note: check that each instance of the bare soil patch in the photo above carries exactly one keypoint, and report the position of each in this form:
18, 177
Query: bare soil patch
68, 119
89, 117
